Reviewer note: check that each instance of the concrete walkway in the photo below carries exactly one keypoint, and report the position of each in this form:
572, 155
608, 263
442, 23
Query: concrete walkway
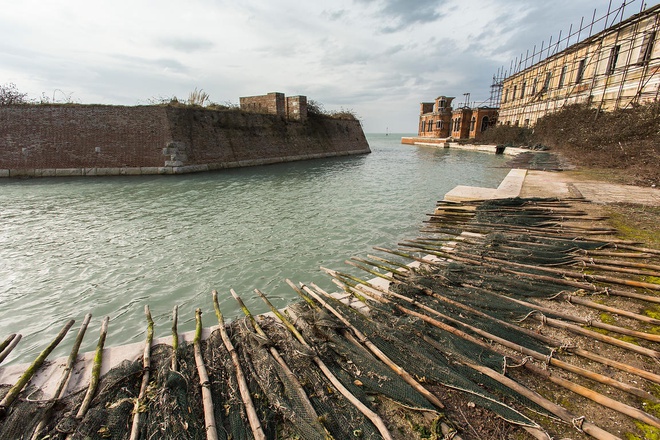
533, 183
564, 184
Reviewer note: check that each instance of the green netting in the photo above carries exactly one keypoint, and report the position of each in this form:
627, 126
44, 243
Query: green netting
410, 352
339, 417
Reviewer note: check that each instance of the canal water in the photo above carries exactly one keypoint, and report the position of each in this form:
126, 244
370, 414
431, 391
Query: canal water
108, 246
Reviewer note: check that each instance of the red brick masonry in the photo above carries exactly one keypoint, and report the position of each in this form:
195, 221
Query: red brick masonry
66, 140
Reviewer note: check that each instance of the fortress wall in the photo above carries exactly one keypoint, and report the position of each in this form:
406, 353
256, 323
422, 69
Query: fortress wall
76, 136
63, 140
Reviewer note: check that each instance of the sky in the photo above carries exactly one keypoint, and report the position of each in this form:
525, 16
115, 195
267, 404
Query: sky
377, 58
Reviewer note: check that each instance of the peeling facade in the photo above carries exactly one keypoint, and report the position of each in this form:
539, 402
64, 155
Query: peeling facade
616, 68
438, 120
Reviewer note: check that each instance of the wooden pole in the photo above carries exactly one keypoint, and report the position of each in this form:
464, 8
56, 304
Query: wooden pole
11, 344
96, 371
146, 363
66, 374
298, 388
578, 389
253, 419
14, 391
175, 339
555, 362
375, 418
204, 382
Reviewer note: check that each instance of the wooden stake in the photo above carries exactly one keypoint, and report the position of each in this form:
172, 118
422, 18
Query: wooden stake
204, 382
13, 392
253, 419
375, 418
64, 379
11, 344
175, 339
298, 388
146, 362
96, 372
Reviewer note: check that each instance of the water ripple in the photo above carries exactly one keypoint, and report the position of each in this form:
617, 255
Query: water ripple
110, 245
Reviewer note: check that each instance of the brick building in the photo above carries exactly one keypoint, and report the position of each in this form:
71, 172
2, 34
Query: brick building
438, 120
275, 103
615, 68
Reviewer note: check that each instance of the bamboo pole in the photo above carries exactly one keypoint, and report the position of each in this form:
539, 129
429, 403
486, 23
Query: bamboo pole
555, 362
573, 328
559, 411
96, 372
578, 389
378, 353
175, 339
13, 392
146, 362
560, 272
565, 273
583, 286
372, 416
594, 305
204, 382
621, 263
253, 419
535, 431
297, 386
66, 374
6, 342
550, 341
10, 346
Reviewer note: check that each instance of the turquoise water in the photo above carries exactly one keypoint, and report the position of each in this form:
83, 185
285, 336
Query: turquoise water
108, 246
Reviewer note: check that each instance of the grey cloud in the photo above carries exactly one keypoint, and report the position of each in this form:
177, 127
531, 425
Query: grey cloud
186, 44
335, 15
401, 14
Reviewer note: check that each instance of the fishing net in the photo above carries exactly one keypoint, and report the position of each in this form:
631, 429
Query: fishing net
393, 335
338, 416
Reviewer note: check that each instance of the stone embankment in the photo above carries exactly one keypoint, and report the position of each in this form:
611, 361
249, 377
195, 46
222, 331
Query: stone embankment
97, 140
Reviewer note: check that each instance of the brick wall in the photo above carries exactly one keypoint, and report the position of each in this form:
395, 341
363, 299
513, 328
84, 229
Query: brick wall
273, 103
49, 140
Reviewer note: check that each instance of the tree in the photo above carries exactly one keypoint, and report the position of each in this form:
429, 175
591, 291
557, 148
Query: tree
9, 95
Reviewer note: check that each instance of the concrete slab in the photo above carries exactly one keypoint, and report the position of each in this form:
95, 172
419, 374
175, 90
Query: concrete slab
464, 193
511, 185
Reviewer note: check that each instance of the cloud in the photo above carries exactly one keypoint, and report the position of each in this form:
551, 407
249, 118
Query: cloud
184, 44
402, 14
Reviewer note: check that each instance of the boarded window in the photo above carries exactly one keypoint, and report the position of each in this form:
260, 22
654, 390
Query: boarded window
562, 77
614, 56
546, 83
580, 71
647, 48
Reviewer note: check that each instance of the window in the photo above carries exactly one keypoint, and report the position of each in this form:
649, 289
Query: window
546, 83
439, 125
534, 86
562, 77
522, 89
430, 126
473, 122
506, 96
580, 71
526, 122
484, 123
646, 48
614, 56
515, 89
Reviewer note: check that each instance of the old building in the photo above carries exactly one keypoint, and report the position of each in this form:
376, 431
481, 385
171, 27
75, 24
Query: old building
438, 120
615, 68
275, 103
